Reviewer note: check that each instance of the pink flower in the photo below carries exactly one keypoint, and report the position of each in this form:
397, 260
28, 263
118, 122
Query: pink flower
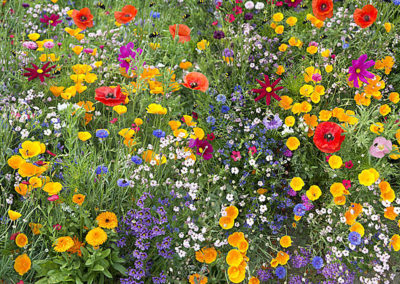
114, 120
316, 77
237, 10
380, 147
346, 183
53, 197
48, 44
253, 150
327, 158
230, 18
236, 155
88, 50
348, 164
214, 23
57, 227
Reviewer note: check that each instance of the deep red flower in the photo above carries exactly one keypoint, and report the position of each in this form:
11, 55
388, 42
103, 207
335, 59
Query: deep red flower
267, 90
110, 96
53, 20
211, 136
366, 16
322, 9
328, 137
37, 72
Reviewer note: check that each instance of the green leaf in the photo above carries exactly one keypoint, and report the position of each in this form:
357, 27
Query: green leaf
89, 262
98, 267
105, 253
107, 273
119, 268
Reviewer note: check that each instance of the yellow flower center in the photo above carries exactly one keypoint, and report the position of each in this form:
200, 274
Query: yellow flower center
358, 70
381, 147
40, 71
201, 150
268, 89
51, 21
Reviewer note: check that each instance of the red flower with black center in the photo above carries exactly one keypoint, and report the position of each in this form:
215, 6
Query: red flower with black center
127, 14
83, 18
267, 90
366, 16
37, 72
110, 96
322, 9
328, 137
196, 81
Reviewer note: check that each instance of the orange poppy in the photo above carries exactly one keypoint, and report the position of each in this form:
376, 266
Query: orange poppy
83, 18
366, 16
196, 81
322, 9
127, 14
183, 32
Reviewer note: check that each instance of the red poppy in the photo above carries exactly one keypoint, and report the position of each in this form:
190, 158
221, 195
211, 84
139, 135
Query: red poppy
196, 81
183, 32
110, 96
83, 18
127, 14
366, 16
37, 72
322, 9
328, 137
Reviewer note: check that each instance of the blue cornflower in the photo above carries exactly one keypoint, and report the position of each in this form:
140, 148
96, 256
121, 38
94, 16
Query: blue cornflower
396, 2
221, 98
101, 170
122, 182
211, 120
317, 262
355, 238
155, 15
299, 210
137, 160
280, 272
159, 133
225, 109
102, 133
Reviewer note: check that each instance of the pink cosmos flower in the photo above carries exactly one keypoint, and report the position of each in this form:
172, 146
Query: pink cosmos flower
316, 77
380, 147
358, 71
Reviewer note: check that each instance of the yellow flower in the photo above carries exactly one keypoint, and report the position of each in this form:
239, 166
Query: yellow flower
325, 115
30, 149
335, 162
384, 110
52, 188
13, 215
368, 177
35, 182
283, 47
277, 17
96, 237
21, 240
78, 199
290, 120
22, 264
198, 133
234, 257
306, 90
314, 192
280, 70
394, 97
107, 220
63, 244
154, 45
156, 109
326, 53
328, 68
293, 143
376, 128
203, 44
388, 27
34, 36
120, 109
291, 21
15, 161
56, 91
357, 227
77, 49
68, 93
279, 29
84, 135
296, 183
337, 189
285, 241
185, 65
312, 49
395, 242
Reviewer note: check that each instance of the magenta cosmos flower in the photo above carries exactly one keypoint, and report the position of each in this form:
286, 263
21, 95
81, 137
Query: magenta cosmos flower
293, 3
37, 72
380, 147
53, 20
358, 71
267, 90
204, 149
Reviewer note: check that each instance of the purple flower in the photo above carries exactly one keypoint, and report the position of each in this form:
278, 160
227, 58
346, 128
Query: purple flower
299, 210
248, 16
53, 20
272, 122
355, 238
293, 3
380, 147
358, 71
204, 149
219, 34
127, 54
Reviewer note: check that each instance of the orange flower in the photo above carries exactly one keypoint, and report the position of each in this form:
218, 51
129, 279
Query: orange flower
76, 248
127, 14
390, 214
235, 238
198, 279
366, 16
183, 32
196, 81
78, 199
21, 240
232, 211
83, 18
207, 255
282, 257
234, 257
322, 9
226, 222
22, 264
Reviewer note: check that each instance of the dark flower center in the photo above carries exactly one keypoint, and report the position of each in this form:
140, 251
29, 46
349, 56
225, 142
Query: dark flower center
193, 85
110, 96
127, 15
83, 18
329, 137
107, 220
367, 18
323, 7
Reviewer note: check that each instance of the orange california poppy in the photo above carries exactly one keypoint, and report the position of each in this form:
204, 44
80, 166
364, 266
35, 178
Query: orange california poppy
183, 32
127, 14
322, 9
196, 81
83, 18
366, 16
